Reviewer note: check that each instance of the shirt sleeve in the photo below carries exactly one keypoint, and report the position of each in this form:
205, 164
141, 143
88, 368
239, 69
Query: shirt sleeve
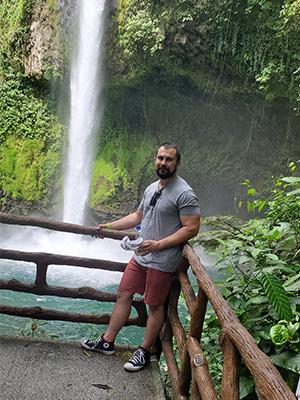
141, 206
188, 203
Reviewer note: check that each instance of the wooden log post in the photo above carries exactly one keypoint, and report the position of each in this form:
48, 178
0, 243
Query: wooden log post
198, 315
185, 374
231, 368
197, 309
41, 274
187, 290
200, 370
166, 335
195, 394
178, 330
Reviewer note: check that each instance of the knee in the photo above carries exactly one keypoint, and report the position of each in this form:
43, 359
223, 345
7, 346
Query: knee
124, 296
156, 309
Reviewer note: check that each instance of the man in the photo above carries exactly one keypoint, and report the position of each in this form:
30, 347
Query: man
169, 216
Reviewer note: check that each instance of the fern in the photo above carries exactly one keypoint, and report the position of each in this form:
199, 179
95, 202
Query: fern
277, 296
288, 360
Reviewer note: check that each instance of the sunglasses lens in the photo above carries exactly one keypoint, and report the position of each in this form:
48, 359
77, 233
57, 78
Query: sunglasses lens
154, 198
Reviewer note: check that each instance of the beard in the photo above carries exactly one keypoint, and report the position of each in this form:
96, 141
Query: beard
166, 175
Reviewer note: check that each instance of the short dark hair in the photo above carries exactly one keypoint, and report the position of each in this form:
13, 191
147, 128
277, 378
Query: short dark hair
169, 145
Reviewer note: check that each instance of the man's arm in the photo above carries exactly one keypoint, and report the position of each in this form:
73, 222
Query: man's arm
190, 228
128, 222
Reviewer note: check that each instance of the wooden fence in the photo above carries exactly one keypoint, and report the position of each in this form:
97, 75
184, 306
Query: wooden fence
193, 380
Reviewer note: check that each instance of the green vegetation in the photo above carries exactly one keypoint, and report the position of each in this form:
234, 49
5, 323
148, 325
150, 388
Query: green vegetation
31, 136
15, 20
263, 285
255, 42
30, 139
35, 328
118, 169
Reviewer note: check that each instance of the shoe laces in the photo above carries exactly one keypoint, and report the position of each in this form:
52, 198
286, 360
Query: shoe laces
95, 342
138, 356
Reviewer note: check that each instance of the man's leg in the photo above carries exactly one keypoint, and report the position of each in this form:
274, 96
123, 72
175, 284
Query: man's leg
105, 343
141, 356
154, 324
119, 315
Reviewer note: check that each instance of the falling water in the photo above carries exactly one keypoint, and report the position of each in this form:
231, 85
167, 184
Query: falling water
84, 115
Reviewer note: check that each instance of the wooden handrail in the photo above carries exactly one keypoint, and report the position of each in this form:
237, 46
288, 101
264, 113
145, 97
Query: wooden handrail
57, 259
13, 219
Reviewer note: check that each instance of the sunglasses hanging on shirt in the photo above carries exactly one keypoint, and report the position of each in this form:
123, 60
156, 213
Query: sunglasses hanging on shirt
155, 197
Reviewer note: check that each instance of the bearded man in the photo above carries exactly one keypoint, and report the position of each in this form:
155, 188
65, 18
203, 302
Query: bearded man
169, 216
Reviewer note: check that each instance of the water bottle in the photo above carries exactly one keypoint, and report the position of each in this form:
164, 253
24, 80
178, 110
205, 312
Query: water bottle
138, 239
134, 245
138, 232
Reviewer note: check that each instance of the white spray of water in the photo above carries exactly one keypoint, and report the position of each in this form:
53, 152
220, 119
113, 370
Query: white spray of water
84, 115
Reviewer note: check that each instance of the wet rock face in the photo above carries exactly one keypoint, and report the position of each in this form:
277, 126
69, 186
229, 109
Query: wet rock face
41, 48
19, 206
50, 30
52, 34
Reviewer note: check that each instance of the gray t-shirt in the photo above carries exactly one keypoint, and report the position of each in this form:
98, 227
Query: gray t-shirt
163, 219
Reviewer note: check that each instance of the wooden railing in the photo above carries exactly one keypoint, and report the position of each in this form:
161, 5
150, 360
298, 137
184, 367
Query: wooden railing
193, 380
235, 341
40, 286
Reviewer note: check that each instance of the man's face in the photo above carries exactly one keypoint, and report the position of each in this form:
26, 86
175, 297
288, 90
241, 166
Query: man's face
166, 163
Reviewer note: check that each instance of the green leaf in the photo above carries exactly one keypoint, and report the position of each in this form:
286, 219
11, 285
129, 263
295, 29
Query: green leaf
249, 205
279, 334
291, 285
255, 252
293, 180
220, 241
277, 296
261, 206
246, 385
297, 191
288, 360
86, 353
234, 302
243, 259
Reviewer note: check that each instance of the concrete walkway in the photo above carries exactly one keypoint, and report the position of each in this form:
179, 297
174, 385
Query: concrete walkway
46, 369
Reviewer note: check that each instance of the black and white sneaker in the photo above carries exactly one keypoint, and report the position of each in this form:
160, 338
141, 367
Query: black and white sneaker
138, 360
99, 344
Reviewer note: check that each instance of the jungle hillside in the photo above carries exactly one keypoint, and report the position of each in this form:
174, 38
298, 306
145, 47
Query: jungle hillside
219, 78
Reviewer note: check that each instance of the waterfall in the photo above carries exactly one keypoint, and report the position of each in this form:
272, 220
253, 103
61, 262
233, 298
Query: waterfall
85, 116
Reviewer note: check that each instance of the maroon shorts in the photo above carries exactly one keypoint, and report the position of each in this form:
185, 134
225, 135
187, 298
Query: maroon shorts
154, 283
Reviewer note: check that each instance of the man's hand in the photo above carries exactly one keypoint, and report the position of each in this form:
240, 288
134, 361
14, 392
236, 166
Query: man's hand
102, 226
149, 246
99, 227
190, 227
